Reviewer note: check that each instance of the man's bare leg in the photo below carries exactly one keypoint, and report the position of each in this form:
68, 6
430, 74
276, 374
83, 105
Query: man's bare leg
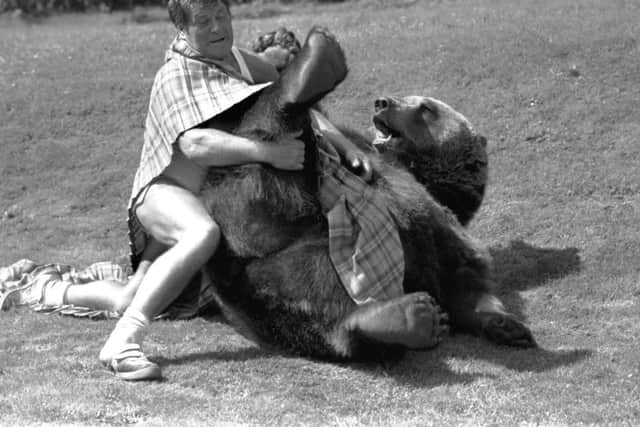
176, 218
113, 295
97, 295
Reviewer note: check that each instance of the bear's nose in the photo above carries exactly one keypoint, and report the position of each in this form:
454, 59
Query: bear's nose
381, 104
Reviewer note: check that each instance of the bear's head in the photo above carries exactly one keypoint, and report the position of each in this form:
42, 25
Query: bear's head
438, 145
419, 124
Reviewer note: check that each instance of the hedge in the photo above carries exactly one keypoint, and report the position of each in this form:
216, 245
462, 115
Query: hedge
44, 7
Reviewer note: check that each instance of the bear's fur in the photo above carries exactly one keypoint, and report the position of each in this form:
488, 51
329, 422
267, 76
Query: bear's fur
438, 146
273, 272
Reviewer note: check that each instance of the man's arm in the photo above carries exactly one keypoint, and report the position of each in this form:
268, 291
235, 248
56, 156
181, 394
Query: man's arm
353, 157
213, 147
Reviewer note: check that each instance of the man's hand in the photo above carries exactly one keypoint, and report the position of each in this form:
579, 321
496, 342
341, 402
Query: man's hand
286, 154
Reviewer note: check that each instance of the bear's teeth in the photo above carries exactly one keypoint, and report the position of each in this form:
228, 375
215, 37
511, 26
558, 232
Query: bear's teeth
381, 137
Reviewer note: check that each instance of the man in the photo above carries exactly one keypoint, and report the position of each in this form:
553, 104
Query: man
172, 234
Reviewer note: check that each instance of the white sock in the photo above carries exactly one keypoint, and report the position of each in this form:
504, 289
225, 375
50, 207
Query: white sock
129, 329
55, 293
134, 323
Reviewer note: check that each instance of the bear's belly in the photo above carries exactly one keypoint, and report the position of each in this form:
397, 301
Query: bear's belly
259, 209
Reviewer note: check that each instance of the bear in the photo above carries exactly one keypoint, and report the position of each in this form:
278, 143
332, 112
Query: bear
277, 47
273, 276
455, 173
438, 146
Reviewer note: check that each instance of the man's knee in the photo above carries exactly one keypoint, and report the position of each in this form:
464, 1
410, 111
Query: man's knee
208, 232
171, 215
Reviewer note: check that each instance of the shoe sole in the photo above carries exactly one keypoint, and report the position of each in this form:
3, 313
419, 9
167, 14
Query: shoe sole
150, 373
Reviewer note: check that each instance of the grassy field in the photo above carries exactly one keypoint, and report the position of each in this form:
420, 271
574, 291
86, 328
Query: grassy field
553, 84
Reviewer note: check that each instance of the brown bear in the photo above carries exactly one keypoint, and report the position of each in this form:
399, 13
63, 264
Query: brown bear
273, 273
454, 173
438, 146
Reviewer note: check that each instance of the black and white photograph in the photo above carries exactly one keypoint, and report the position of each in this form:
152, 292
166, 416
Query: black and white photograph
319, 212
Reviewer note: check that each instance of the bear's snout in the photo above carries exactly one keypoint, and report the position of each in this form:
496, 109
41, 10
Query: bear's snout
381, 104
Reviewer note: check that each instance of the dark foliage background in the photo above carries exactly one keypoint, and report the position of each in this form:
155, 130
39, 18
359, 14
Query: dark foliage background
35, 7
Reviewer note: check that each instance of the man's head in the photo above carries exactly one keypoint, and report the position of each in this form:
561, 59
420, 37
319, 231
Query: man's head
206, 24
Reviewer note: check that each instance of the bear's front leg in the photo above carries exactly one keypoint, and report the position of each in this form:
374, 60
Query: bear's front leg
318, 69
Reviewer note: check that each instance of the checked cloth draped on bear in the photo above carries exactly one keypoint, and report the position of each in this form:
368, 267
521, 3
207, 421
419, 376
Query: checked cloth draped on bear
364, 244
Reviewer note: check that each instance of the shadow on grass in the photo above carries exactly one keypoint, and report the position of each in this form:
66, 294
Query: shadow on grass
429, 369
238, 355
447, 364
521, 266
518, 267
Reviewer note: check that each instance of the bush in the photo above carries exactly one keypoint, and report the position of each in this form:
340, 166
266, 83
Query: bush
43, 7
39, 7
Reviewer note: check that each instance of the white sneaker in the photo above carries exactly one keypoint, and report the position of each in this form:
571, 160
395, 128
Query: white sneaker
15, 271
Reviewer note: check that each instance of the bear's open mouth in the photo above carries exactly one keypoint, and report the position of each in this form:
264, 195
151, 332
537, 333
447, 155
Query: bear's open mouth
383, 132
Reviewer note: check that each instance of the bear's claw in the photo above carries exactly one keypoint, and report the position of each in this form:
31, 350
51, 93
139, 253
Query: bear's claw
505, 329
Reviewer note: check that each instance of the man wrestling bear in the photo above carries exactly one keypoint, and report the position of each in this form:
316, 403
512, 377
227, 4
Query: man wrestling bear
321, 245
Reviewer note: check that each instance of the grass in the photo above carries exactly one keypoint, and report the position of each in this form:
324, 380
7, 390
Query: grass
555, 87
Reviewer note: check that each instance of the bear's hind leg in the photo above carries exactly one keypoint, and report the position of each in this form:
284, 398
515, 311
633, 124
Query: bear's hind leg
413, 320
474, 309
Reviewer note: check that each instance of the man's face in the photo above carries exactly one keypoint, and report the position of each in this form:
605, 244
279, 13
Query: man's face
209, 30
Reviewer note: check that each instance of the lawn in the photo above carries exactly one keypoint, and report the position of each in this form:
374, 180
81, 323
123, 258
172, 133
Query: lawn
553, 84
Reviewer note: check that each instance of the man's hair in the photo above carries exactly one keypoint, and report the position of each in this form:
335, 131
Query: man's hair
180, 10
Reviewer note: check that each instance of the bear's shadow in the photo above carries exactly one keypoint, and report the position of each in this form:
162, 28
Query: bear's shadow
447, 364
518, 266
521, 266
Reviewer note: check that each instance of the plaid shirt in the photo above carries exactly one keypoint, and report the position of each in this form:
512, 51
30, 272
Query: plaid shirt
364, 244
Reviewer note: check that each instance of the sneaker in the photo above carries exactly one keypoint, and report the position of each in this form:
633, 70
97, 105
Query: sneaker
132, 365
16, 270
8, 299
42, 287
43, 281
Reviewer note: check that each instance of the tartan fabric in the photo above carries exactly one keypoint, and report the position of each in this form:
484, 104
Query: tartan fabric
196, 297
56, 272
364, 244
102, 270
187, 91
